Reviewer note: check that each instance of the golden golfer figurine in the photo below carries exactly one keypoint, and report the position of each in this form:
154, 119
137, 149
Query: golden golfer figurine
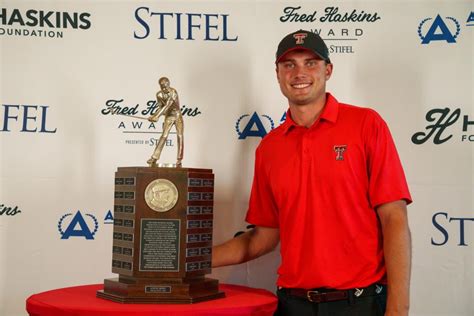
168, 106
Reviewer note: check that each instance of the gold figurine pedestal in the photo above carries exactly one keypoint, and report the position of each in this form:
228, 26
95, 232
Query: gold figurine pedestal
162, 239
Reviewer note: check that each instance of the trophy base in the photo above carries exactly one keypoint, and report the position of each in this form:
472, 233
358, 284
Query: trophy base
156, 291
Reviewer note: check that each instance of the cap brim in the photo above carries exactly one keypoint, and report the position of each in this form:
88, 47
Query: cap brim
298, 48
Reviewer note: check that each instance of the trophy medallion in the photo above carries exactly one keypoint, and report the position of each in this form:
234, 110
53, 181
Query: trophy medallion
161, 195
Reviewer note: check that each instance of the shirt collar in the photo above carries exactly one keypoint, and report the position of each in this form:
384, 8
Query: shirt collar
329, 113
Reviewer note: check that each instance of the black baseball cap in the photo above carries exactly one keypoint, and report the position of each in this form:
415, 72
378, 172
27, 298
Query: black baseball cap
303, 40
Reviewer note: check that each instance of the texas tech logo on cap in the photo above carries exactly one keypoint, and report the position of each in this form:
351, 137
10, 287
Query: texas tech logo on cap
300, 37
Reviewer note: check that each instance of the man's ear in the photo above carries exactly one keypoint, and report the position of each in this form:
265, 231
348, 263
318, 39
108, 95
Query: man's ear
329, 69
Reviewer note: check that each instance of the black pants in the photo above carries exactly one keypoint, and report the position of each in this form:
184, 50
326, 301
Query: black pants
363, 306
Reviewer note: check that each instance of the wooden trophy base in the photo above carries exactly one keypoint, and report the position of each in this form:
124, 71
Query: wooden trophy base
159, 291
162, 238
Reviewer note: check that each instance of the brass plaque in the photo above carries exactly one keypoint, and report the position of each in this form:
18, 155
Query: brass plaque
161, 195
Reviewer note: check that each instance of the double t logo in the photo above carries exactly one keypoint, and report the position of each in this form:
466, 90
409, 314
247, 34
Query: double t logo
340, 149
299, 37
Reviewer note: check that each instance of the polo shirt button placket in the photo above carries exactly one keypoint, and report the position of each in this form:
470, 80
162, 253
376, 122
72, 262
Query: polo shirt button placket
305, 146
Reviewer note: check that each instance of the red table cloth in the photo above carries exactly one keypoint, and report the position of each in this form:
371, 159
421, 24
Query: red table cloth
81, 300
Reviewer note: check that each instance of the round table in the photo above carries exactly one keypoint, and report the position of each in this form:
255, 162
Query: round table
81, 300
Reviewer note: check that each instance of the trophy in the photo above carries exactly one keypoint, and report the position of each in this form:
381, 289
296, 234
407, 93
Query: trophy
163, 219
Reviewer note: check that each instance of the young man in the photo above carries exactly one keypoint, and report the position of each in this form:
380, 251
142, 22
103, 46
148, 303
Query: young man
330, 187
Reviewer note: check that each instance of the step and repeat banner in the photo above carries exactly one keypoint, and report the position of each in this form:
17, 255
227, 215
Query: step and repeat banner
72, 71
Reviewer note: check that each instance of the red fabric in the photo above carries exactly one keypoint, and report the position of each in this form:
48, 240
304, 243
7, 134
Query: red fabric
325, 208
81, 300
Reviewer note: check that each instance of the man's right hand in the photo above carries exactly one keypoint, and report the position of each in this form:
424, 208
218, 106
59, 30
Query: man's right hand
245, 247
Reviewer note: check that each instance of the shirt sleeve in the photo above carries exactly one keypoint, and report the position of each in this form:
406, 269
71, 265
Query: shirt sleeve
387, 182
262, 208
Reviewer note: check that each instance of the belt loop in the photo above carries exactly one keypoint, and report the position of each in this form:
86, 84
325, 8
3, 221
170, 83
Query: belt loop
350, 296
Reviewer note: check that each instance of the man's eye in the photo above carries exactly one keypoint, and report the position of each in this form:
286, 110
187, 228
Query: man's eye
311, 63
288, 65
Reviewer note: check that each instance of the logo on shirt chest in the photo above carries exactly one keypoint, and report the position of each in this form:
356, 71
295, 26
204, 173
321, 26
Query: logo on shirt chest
340, 150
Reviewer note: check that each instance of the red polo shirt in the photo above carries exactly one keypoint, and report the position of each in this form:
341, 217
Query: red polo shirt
320, 186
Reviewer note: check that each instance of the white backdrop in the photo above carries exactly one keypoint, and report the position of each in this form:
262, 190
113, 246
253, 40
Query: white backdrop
59, 152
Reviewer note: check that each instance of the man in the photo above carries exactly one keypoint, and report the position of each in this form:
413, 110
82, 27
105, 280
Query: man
168, 103
329, 186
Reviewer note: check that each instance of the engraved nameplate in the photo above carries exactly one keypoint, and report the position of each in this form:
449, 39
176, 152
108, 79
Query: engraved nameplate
207, 183
193, 210
159, 245
193, 182
157, 289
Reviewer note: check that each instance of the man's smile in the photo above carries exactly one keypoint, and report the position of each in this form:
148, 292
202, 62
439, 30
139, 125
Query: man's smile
301, 85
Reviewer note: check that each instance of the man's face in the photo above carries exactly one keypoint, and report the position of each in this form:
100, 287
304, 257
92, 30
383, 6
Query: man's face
302, 76
164, 84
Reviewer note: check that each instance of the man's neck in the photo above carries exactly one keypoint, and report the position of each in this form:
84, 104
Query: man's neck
306, 115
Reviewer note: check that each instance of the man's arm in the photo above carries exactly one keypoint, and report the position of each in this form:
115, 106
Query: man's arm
161, 104
165, 104
397, 250
245, 247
